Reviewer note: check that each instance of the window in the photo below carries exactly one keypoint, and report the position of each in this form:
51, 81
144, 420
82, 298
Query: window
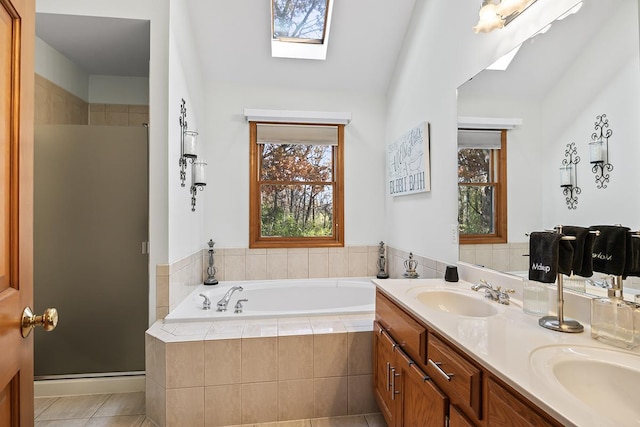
482, 186
302, 21
296, 185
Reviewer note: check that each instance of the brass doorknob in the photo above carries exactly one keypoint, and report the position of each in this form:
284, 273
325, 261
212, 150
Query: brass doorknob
49, 320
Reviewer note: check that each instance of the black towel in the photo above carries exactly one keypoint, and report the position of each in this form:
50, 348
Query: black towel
632, 262
582, 249
548, 256
610, 249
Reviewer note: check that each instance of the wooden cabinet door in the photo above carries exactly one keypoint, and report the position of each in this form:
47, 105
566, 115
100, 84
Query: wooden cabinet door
420, 403
383, 347
457, 418
506, 410
17, 35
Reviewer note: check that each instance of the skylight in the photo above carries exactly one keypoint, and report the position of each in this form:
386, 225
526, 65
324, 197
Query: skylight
300, 28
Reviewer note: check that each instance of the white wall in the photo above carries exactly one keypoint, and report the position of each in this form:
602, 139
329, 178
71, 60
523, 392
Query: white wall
118, 90
186, 228
611, 87
439, 55
227, 196
57, 68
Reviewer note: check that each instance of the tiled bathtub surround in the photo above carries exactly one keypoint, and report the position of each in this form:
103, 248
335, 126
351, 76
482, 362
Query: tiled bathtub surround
177, 280
239, 372
427, 268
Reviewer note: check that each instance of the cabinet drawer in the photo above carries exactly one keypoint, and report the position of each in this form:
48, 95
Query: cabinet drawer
409, 334
454, 374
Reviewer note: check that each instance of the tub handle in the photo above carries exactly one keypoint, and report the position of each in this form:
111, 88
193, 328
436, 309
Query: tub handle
238, 306
206, 304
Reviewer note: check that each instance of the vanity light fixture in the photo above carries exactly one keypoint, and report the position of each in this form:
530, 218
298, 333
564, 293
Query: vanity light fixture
188, 144
599, 151
198, 181
496, 14
569, 176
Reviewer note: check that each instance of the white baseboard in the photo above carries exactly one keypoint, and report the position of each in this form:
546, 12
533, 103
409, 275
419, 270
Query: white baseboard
76, 386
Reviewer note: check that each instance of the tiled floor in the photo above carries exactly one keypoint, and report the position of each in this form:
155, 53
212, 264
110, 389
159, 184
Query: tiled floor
127, 410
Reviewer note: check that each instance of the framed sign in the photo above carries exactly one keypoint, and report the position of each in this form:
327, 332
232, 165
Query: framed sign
408, 162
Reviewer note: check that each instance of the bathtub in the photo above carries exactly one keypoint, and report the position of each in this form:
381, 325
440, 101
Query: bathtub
280, 298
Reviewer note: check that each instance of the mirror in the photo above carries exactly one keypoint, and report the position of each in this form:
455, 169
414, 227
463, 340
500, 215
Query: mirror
584, 65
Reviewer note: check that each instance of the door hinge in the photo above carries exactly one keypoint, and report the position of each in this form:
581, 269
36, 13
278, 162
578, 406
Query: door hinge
145, 248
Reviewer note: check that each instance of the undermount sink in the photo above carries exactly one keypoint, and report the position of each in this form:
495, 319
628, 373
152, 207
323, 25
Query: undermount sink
455, 303
606, 380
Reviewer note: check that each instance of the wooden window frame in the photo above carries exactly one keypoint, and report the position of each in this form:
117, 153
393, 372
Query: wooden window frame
500, 217
256, 240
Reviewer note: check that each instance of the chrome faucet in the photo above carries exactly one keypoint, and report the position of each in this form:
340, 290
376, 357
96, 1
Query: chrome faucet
494, 294
206, 304
224, 301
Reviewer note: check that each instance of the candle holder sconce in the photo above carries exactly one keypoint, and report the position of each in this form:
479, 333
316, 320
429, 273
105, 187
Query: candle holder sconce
569, 176
197, 181
599, 151
188, 144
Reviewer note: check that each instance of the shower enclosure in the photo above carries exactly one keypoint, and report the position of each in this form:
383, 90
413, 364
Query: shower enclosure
90, 248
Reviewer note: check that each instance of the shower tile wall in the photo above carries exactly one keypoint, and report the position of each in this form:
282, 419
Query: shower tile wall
56, 106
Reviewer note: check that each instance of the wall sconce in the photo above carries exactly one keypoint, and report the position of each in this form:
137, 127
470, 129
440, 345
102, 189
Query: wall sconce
569, 176
599, 151
496, 14
198, 181
188, 144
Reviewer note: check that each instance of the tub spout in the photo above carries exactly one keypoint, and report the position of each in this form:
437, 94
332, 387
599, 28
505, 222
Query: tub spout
224, 301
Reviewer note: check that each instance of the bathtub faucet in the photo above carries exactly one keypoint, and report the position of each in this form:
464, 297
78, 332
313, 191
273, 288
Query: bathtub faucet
224, 301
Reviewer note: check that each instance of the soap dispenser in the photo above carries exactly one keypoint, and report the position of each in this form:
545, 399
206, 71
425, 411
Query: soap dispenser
612, 318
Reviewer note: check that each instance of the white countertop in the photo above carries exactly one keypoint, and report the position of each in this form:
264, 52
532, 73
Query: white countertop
503, 344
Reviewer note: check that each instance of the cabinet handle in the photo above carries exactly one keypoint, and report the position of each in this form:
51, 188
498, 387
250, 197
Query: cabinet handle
393, 384
437, 367
388, 376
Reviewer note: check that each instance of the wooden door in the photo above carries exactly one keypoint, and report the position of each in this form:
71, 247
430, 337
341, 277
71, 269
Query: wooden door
17, 33
419, 402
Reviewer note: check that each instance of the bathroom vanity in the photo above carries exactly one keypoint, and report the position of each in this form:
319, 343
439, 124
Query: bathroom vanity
444, 355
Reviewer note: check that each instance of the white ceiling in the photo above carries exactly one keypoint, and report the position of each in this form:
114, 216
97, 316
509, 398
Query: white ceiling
233, 40
543, 60
103, 46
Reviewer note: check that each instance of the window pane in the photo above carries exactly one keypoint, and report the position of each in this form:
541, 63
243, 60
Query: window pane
296, 210
295, 162
476, 205
474, 165
301, 19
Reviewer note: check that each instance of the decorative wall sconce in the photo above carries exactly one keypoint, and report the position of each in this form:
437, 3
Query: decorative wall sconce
569, 176
188, 144
188, 154
599, 151
496, 14
198, 181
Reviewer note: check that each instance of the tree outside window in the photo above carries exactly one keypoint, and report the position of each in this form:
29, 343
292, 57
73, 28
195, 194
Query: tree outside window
482, 186
296, 185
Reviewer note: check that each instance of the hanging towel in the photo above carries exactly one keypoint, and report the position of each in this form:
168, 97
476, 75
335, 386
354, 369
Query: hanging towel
632, 262
582, 249
548, 256
610, 249
543, 256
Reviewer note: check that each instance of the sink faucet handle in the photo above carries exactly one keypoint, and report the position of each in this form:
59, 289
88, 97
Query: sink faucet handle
206, 304
238, 306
